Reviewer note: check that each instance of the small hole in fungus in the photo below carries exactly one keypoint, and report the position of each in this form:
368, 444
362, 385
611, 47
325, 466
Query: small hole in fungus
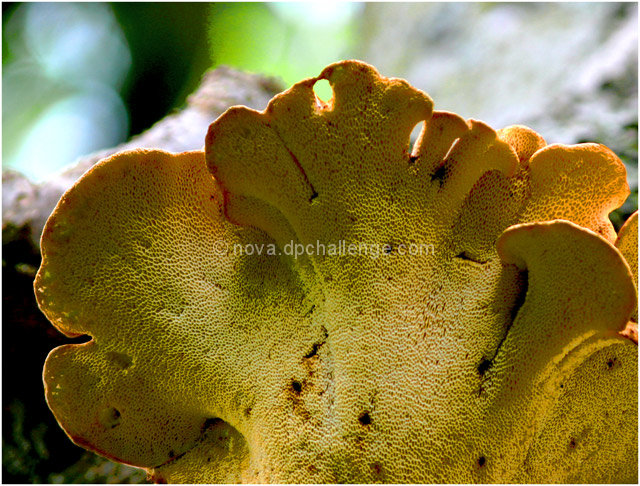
572, 444
484, 365
323, 91
365, 418
481, 461
610, 363
297, 386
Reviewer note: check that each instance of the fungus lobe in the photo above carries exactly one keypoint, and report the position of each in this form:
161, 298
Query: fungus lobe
143, 255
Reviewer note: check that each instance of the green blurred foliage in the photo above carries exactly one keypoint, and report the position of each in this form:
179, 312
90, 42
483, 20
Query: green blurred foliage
288, 40
169, 51
82, 77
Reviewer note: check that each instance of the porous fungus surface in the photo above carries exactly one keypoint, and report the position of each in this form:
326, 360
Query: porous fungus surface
457, 315
627, 243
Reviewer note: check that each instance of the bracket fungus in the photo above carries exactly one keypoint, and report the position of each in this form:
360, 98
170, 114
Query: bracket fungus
503, 351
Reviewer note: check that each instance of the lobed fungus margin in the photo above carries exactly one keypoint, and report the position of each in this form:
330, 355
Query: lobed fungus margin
503, 355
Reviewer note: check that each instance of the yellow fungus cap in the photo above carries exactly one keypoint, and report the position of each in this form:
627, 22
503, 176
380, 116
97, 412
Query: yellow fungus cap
152, 281
466, 337
627, 243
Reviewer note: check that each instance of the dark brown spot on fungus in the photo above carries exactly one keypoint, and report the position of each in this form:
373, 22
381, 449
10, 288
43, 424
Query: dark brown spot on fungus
313, 352
365, 418
296, 386
481, 461
484, 365
439, 174
110, 417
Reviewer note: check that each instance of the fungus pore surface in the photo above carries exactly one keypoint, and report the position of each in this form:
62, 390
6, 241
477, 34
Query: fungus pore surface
315, 299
